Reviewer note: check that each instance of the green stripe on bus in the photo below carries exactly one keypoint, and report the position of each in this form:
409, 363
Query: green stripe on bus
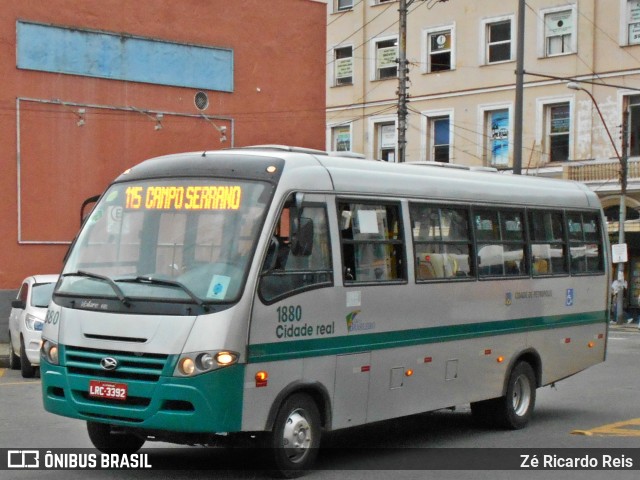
353, 343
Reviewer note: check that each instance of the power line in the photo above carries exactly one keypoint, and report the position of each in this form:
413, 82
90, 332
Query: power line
580, 80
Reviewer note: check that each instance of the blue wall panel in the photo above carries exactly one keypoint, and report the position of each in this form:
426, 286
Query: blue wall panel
107, 55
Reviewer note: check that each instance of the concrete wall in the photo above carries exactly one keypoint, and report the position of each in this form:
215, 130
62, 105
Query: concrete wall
5, 308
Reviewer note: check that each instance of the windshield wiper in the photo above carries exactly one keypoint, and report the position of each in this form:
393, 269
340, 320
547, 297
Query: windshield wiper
166, 283
119, 293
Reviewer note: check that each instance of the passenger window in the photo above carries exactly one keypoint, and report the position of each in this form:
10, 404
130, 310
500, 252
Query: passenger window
585, 243
299, 256
441, 242
372, 242
500, 237
548, 246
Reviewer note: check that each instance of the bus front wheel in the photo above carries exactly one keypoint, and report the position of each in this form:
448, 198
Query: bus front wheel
108, 440
514, 409
296, 436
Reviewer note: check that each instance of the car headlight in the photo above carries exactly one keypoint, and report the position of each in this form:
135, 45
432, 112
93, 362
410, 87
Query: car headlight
191, 364
49, 351
33, 323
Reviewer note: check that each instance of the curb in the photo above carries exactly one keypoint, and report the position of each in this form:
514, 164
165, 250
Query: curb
629, 327
4, 355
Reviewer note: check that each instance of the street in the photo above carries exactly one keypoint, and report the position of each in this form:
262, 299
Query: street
596, 409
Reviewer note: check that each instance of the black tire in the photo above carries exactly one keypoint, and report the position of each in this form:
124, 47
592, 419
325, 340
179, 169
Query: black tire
295, 438
108, 440
27, 370
14, 360
512, 411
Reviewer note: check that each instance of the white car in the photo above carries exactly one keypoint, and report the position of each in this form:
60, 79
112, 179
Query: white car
28, 312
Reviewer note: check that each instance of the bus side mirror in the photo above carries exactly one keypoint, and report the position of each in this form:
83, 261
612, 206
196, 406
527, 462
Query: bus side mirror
302, 237
272, 256
85, 204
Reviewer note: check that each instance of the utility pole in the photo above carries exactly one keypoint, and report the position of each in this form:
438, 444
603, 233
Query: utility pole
622, 218
403, 70
519, 100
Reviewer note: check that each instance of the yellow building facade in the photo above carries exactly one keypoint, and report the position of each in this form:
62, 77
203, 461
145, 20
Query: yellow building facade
581, 91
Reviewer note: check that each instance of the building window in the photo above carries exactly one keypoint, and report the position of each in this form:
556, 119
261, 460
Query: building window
559, 32
343, 66
439, 138
558, 123
634, 125
439, 48
386, 59
341, 139
498, 41
633, 22
497, 138
372, 242
386, 141
342, 5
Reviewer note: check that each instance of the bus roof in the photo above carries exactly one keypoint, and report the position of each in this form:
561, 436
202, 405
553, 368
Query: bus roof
307, 169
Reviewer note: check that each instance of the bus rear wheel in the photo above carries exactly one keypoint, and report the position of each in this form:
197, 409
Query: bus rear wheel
108, 440
296, 436
513, 410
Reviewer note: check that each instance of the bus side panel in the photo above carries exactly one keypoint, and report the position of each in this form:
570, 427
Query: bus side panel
565, 351
285, 376
438, 375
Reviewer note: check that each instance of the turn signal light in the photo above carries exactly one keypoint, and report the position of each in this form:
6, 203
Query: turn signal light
262, 378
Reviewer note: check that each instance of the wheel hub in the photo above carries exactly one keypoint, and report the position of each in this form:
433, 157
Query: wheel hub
297, 436
521, 395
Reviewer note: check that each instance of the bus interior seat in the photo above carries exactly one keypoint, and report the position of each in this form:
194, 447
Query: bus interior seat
437, 265
540, 266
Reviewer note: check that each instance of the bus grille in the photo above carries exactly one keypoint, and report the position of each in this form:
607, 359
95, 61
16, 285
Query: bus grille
131, 366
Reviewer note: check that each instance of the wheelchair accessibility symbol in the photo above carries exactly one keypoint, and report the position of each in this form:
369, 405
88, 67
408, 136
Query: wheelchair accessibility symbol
570, 297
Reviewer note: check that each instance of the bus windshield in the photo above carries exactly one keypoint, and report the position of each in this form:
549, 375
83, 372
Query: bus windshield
182, 240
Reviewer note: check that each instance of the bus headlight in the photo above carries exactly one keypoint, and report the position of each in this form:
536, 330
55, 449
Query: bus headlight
191, 364
49, 351
187, 366
226, 358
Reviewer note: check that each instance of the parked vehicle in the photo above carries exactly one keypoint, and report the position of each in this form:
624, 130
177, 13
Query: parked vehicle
26, 320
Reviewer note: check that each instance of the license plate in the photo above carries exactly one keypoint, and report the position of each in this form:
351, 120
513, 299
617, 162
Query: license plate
108, 390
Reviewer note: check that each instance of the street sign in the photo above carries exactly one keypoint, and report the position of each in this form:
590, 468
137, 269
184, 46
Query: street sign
619, 253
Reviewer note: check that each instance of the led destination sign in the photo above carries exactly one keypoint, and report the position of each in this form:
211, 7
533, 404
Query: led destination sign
192, 197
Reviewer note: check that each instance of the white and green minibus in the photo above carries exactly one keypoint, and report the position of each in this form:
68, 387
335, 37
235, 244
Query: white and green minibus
279, 293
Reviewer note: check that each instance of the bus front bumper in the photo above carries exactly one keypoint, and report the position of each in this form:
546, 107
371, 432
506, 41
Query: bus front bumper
206, 403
